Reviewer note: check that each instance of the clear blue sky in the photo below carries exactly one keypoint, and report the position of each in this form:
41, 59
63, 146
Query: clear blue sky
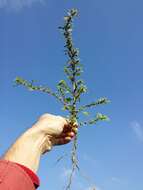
110, 37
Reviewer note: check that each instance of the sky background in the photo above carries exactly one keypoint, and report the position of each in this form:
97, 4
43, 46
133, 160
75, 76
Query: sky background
109, 35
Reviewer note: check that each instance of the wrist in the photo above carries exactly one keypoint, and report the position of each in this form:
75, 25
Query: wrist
28, 148
40, 141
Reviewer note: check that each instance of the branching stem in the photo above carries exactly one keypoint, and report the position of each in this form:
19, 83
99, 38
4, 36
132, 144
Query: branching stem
69, 92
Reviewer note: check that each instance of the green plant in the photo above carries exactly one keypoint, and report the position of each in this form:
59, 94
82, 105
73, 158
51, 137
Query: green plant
70, 90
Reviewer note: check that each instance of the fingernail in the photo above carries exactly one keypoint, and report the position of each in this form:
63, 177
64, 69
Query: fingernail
75, 130
68, 138
70, 134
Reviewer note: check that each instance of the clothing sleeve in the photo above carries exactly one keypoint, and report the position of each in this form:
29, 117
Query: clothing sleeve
14, 177
32, 175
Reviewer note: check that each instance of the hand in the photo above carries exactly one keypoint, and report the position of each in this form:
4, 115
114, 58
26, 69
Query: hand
56, 129
48, 131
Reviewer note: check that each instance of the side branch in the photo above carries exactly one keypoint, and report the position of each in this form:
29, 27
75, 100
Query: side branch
94, 104
98, 117
31, 87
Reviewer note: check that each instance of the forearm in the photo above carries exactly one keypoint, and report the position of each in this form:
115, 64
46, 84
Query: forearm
48, 131
27, 149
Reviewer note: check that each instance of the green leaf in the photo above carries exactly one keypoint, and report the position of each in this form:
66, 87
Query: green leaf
79, 82
100, 116
68, 100
85, 113
61, 82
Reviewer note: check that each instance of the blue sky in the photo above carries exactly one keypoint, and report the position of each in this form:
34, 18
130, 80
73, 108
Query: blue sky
109, 35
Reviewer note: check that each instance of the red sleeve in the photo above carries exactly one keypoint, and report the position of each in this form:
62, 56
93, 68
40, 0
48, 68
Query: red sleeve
13, 177
32, 175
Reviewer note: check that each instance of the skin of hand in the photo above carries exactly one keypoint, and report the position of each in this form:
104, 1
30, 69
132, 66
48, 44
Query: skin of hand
48, 131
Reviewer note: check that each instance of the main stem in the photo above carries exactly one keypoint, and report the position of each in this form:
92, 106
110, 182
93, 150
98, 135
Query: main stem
72, 54
73, 118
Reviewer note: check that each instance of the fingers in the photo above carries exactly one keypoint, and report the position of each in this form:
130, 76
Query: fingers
60, 128
66, 136
69, 131
75, 130
70, 127
52, 117
70, 134
62, 140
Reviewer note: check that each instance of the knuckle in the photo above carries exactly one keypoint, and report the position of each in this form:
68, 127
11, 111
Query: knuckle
62, 119
45, 115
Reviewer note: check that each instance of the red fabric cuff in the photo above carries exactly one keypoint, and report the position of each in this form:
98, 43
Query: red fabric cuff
14, 177
32, 175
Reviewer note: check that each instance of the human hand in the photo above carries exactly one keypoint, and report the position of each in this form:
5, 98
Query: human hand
56, 129
48, 131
